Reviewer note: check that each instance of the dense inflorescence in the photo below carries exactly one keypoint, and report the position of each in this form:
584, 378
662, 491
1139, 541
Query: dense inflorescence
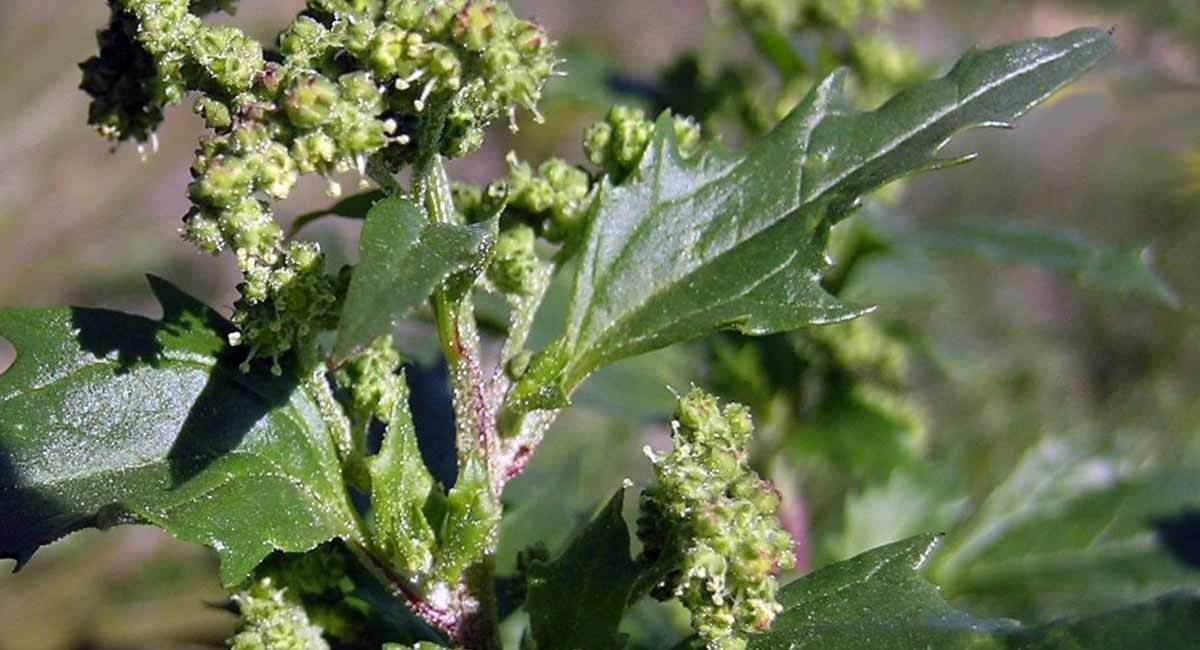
273, 619
713, 520
373, 380
616, 144
348, 83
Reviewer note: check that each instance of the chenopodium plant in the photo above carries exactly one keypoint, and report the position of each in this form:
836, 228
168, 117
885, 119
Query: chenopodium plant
258, 435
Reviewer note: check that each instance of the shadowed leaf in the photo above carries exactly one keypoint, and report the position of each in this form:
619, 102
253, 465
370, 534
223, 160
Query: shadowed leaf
109, 418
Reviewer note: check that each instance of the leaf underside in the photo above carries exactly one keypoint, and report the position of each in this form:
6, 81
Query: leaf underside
109, 418
726, 241
352, 207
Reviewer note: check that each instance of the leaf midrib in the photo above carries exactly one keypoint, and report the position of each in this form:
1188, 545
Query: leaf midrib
806, 135
895, 143
600, 283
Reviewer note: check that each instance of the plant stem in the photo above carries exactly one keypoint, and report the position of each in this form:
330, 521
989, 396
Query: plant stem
471, 617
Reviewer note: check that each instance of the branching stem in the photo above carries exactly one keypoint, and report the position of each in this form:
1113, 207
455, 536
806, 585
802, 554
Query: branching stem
470, 616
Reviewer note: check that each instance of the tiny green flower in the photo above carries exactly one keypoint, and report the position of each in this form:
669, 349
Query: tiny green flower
616, 145
515, 265
309, 101
231, 60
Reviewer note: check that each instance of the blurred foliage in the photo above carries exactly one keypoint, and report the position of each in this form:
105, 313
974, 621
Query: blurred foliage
1182, 16
991, 398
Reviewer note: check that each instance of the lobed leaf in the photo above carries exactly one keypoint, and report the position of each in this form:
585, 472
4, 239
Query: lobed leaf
109, 418
738, 242
400, 486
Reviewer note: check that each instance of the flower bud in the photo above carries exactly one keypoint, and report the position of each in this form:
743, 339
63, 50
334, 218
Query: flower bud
203, 231
314, 152
215, 114
310, 100
226, 180
430, 16
231, 59
305, 42
359, 88
618, 143
515, 265
251, 232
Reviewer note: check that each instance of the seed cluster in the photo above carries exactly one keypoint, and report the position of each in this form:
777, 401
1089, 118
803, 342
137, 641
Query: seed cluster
349, 81
715, 519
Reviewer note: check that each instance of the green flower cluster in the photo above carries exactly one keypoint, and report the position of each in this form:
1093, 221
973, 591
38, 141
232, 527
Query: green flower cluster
285, 303
616, 144
373, 379
318, 581
515, 265
273, 619
151, 54
351, 80
709, 515
550, 202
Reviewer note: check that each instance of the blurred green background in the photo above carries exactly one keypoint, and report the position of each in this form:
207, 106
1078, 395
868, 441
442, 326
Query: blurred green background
1058, 422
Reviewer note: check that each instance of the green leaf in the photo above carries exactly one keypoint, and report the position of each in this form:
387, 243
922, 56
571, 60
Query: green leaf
109, 418
472, 517
1120, 269
576, 601
403, 257
1168, 623
400, 486
878, 596
351, 207
1070, 528
915, 499
738, 242
880, 600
